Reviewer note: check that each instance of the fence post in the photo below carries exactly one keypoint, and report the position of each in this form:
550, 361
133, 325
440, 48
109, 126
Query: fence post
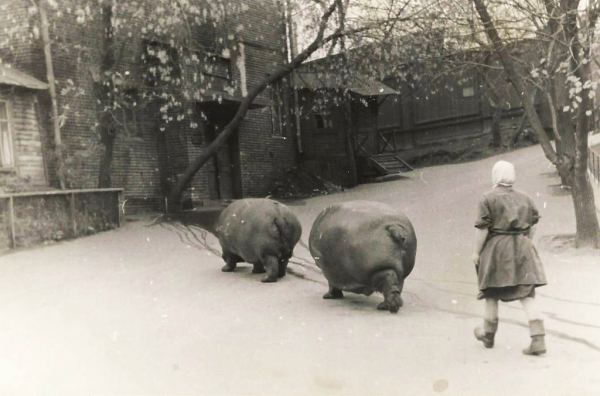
11, 214
120, 210
73, 221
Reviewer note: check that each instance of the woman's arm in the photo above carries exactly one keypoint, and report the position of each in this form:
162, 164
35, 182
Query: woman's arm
480, 238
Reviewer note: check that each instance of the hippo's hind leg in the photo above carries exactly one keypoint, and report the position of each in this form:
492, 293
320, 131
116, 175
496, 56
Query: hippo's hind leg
231, 261
388, 283
333, 293
272, 265
258, 268
283, 263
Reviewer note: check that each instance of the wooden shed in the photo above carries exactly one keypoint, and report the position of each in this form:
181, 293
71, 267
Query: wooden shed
335, 126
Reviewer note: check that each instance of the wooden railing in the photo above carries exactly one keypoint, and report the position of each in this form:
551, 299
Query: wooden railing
28, 212
386, 142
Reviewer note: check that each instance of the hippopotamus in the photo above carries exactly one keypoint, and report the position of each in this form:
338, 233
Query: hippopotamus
364, 247
261, 232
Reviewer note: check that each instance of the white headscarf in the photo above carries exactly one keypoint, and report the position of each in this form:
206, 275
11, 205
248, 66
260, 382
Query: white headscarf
503, 174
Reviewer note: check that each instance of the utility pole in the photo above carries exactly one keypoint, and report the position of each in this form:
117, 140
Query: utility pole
52, 90
292, 42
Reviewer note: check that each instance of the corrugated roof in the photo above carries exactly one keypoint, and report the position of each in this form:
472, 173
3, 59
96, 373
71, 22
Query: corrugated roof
361, 85
12, 76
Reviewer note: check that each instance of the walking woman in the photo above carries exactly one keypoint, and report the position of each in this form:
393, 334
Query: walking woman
508, 266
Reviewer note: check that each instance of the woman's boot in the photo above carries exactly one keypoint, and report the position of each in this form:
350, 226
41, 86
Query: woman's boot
487, 333
538, 346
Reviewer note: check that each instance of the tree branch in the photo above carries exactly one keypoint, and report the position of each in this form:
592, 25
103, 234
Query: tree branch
212, 148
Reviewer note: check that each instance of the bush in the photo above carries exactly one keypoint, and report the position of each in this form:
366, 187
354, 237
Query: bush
296, 183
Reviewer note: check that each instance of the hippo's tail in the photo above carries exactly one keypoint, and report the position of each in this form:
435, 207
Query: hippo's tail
283, 228
397, 233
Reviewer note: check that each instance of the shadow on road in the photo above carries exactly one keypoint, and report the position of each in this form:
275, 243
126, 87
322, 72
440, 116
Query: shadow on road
389, 178
205, 218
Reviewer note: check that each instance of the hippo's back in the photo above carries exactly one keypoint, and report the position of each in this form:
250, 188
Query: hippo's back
255, 226
353, 240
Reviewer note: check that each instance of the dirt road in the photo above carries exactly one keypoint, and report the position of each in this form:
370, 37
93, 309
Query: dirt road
146, 310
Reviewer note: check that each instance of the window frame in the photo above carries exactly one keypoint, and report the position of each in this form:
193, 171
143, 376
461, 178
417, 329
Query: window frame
326, 116
468, 92
11, 142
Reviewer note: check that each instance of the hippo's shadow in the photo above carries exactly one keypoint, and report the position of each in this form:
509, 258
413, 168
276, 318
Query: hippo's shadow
243, 270
357, 302
205, 218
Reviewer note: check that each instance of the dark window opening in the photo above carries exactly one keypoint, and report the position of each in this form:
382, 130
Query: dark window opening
162, 64
323, 121
320, 121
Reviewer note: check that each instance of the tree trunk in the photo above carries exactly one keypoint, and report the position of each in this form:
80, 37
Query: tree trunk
587, 227
520, 128
565, 148
496, 134
104, 94
108, 141
58, 145
586, 218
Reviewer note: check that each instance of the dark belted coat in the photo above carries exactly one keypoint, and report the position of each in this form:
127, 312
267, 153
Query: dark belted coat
508, 257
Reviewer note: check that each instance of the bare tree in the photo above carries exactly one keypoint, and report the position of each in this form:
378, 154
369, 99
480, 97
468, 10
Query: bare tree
564, 32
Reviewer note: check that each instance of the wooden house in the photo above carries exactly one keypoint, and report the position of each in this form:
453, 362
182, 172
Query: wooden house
392, 122
21, 135
335, 125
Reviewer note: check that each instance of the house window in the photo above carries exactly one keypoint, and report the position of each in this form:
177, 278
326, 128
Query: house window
277, 109
323, 120
6, 147
468, 92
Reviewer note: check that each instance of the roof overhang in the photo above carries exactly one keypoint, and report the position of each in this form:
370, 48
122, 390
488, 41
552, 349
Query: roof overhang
16, 78
226, 100
363, 86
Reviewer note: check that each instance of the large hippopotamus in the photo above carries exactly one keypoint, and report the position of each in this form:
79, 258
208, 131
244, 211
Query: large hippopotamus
363, 247
261, 232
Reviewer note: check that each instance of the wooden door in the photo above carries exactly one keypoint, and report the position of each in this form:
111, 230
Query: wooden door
220, 181
224, 169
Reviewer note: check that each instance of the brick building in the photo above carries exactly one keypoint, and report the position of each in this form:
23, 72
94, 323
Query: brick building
149, 154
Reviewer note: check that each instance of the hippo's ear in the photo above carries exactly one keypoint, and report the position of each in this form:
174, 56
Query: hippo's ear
397, 233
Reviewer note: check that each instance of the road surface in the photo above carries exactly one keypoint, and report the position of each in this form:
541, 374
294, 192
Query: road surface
146, 309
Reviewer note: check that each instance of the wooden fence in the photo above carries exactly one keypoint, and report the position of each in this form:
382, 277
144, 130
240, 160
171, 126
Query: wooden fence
30, 218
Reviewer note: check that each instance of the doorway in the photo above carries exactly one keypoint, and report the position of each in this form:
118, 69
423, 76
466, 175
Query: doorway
224, 169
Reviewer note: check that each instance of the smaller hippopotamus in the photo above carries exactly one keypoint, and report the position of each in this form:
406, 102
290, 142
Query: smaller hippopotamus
261, 232
363, 247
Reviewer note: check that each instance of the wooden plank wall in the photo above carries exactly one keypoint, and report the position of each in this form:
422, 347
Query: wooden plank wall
27, 136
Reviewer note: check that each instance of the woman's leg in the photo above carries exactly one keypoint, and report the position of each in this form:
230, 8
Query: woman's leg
490, 323
531, 308
536, 327
491, 310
